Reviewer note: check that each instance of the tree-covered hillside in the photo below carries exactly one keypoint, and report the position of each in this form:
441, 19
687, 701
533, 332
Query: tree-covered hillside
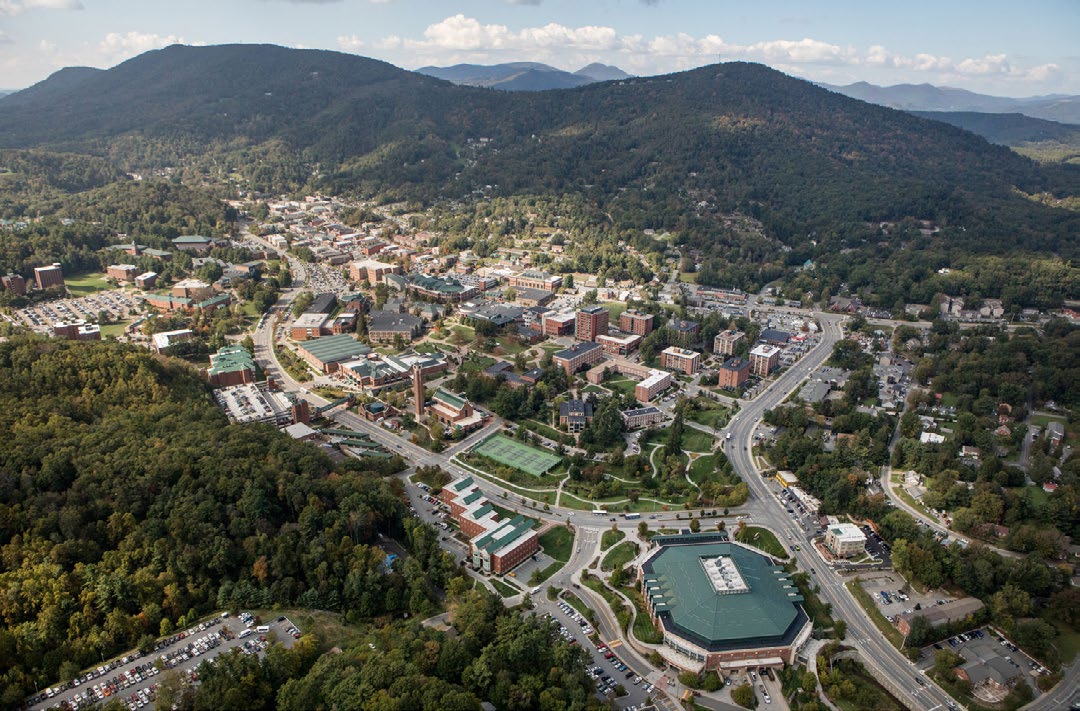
129, 505
683, 152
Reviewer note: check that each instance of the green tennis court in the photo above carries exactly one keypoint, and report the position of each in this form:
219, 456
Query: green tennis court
517, 455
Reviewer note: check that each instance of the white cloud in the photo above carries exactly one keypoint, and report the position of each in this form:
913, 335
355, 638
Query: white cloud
129, 44
350, 43
47, 46
14, 7
5, 38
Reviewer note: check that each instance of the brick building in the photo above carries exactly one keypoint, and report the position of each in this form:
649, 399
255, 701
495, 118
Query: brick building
733, 373
725, 341
574, 359
591, 322
636, 322
122, 272
14, 283
49, 276
764, 359
680, 359
535, 279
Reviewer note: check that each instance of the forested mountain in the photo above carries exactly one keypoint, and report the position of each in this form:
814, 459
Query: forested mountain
927, 97
602, 72
512, 76
818, 171
1006, 129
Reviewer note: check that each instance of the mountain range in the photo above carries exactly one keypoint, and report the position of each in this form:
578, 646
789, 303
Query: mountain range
523, 76
927, 97
670, 152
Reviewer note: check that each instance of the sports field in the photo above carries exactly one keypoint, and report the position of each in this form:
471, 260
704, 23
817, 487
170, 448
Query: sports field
517, 455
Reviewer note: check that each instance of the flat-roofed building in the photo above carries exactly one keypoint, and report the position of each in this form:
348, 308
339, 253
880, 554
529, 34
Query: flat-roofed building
122, 272
193, 243
52, 275
689, 331
78, 330
764, 359
636, 322
535, 279
534, 297
619, 345
733, 373
657, 382
322, 303
725, 341
445, 290
372, 271
307, 326
941, 614
559, 324
775, 337
591, 321
146, 280
787, 478
642, 417
681, 359
577, 357
194, 289
845, 539
15, 283
165, 340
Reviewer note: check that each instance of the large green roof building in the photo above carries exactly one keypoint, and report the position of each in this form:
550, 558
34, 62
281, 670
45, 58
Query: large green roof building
721, 604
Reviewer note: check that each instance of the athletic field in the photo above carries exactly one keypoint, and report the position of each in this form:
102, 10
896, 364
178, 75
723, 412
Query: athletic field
517, 455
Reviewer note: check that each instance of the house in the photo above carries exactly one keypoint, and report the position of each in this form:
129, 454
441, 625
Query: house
575, 415
1055, 432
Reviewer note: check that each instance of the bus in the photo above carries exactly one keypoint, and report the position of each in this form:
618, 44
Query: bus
631, 516
599, 512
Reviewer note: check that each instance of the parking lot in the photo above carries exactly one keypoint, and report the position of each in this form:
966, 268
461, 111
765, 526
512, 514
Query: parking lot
893, 596
133, 678
603, 664
117, 304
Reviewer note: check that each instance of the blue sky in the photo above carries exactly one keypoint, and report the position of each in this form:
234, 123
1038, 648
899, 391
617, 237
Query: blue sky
991, 46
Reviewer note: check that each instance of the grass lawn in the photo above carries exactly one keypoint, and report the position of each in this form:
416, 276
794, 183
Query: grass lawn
619, 556
542, 429
688, 277
510, 346
114, 329
592, 389
715, 416
611, 537
474, 363
884, 626
764, 539
697, 441
83, 284
643, 626
702, 467
425, 348
615, 309
1044, 420
1067, 643
623, 386
504, 589
331, 628
557, 542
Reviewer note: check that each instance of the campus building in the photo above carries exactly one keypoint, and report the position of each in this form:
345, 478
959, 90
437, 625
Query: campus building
371, 271
307, 326
78, 330
577, 357
496, 545
619, 345
642, 417
439, 290
591, 322
326, 354
454, 411
721, 605
764, 359
231, 365
14, 283
46, 277
636, 322
725, 342
845, 539
940, 614
657, 382
384, 326
575, 415
680, 359
733, 373
559, 324
122, 272
535, 279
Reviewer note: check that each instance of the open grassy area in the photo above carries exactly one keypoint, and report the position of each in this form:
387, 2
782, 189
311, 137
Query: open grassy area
544, 497
475, 363
622, 612
330, 627
510, 346
688, 277
697, 441
614, 309
558, 543
712, 414
541, 429
619, 556
1042, 420
504, 589
611, 537
643, 627
764, 539
83, 284
884, 626
623, 386
114, 329
1067, 642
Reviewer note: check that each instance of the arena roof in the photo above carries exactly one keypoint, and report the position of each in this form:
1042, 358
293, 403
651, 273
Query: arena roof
763, 609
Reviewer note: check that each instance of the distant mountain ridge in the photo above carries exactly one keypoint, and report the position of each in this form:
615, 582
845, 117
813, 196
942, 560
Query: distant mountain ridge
523, 76
927, 97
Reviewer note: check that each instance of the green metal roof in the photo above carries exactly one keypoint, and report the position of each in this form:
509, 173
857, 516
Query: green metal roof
332, 349
192, 239
472, 497
449, 398
229, 359
692, 607
521, 526
482, 511
463, 484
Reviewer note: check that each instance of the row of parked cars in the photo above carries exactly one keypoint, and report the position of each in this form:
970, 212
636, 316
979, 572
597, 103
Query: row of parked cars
576, 616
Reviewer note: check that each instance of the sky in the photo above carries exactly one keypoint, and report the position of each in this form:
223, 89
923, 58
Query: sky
1006, 48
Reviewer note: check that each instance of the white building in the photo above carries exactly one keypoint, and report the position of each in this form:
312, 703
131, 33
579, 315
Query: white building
845, 539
